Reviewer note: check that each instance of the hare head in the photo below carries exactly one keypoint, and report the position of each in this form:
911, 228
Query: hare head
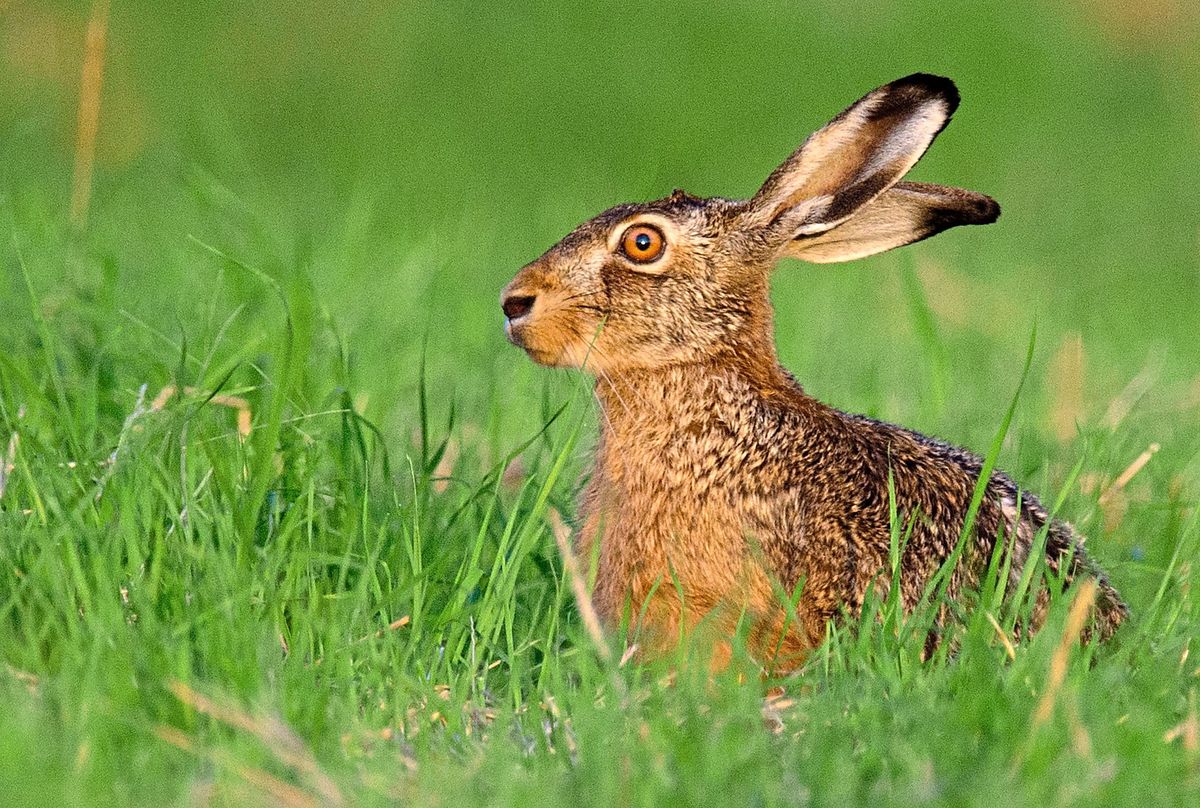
683, 279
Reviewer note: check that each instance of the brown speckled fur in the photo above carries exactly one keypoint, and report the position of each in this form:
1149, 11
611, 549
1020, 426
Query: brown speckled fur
714, 468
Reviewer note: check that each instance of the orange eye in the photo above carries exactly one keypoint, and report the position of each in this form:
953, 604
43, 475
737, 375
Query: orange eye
643, 243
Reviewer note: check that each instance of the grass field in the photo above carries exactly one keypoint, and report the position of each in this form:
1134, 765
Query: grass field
276, 497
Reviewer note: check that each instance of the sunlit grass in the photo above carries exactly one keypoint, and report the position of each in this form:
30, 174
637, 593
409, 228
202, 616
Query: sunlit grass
278, 504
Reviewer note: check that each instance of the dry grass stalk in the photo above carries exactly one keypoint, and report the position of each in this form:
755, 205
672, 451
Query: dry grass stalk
398, 623
1191, 398
1129, 473
90, 84
583, 600
1138, 386
274, 735
776, 703
1081, 740
1188, 730
445, 467
29, 680
242, 406
280, 792
8, 461
1009, 649
1076, 619
1066, 371
1081, 607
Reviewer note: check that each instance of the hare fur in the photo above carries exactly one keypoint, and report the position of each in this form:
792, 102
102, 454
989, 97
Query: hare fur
715, 475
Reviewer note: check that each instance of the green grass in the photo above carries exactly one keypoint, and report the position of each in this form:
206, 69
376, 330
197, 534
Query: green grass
362, 599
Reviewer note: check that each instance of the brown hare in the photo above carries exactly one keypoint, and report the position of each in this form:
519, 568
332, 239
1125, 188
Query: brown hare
716, 478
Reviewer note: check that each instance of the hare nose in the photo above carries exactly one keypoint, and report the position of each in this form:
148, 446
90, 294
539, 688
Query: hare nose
517, 306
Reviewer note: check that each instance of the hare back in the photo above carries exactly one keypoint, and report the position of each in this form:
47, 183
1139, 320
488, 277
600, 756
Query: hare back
714, 496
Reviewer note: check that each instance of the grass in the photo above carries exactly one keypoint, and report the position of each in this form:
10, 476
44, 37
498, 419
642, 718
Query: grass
358, 598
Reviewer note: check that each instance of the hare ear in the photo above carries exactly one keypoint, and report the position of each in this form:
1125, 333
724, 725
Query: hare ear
855, 157
904, 213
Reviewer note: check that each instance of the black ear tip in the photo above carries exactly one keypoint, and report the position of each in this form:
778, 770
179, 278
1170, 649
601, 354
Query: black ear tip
987, 210
954, 207
928, 85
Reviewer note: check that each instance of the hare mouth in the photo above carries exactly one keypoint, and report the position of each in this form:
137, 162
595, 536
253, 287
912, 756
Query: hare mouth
546, 343
518, 334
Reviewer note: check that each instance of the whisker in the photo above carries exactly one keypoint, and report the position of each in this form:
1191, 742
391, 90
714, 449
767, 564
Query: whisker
612, 384
599, 371
586, 293
639, 396
603, 411
599, 352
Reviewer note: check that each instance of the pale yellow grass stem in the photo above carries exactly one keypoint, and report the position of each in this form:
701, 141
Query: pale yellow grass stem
1076, 619
90, 83
1129, 473
274, 735
583, 600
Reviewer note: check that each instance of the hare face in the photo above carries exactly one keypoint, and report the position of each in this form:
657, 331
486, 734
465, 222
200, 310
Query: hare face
640, 286
681, 279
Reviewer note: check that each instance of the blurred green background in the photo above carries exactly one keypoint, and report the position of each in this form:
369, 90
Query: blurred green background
413, 155
405, 159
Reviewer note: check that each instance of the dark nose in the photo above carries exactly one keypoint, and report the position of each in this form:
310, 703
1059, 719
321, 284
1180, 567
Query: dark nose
517, 306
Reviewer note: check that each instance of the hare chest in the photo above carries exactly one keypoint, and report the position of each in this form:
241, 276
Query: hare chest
674, 544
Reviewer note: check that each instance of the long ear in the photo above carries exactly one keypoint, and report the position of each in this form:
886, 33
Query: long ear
906, 212
855, 157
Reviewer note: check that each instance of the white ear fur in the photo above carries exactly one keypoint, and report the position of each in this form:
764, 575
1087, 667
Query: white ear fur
855, 157
906, 212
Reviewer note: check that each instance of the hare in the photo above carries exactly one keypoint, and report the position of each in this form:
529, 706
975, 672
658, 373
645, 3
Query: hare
716, 479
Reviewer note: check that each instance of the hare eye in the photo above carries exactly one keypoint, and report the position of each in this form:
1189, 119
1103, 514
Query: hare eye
643, 243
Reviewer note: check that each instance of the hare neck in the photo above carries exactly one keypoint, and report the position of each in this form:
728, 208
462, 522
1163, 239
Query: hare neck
680, 398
